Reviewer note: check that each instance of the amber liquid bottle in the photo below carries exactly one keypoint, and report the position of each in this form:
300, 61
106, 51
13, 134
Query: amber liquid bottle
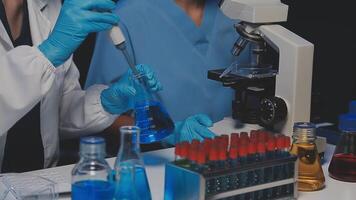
310, 173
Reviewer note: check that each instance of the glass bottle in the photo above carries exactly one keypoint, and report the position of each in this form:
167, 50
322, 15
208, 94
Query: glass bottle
90, 174
310, 173
150, 115
131, 179
343, 164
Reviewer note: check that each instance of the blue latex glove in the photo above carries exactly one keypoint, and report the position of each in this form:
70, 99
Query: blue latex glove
76, 20
120, 96
194, 127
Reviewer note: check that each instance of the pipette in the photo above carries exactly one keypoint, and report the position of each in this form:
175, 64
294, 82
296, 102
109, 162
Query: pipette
118, 39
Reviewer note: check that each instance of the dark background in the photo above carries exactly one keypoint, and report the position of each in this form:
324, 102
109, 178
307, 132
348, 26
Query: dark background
330, 26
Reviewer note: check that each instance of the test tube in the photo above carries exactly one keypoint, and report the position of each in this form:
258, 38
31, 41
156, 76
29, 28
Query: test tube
243, 177
201, 166
207, 145
244, 135
261, 156
223, 180
270, 154
253, 136
225, 139
233, 155
288, 168
252, 175
234, 139
193, 153
213, 165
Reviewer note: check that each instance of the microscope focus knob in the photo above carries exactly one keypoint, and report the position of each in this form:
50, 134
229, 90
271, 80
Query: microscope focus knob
272, 110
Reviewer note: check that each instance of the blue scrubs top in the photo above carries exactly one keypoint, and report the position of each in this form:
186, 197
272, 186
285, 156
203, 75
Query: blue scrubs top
159, 33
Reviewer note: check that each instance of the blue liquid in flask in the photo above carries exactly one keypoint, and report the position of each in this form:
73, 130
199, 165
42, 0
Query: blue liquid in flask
133, 187
153, 120
93, 190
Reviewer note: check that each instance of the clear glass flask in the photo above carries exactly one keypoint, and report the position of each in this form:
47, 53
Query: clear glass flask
150, 115
90, 174
131, 179
310, 173
343, 164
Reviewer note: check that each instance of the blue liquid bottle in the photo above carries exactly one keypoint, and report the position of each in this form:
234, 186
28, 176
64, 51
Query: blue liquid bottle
90, 175
131, 180
150, 115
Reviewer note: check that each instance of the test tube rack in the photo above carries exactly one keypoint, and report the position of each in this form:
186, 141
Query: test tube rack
183, 183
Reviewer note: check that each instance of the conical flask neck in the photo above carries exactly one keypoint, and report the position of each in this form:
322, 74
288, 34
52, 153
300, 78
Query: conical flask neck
130, 147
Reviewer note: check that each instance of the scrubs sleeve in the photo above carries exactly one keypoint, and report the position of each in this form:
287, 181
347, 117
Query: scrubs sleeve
81, 112
25, 77
108, 64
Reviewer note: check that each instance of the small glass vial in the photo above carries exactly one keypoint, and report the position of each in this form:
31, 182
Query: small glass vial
90, 174
343, 163
131, 179
310, 173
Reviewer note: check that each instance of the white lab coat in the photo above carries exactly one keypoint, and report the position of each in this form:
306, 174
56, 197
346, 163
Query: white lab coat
27, 77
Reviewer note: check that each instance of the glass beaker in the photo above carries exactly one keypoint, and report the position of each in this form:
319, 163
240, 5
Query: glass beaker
131, 179
90, 174
343, 164
150, 115
310, 173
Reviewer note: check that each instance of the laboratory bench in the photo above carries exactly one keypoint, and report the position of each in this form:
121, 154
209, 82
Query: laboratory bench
155, 168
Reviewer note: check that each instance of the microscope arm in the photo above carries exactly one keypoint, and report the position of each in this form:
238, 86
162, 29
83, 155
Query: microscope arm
294, 79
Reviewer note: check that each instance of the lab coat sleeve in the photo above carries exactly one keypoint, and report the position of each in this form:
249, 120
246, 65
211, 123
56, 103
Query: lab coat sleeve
81, 112
25, 77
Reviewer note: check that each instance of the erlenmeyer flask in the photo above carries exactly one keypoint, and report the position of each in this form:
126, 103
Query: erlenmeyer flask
131, 179
343, 164
310, 173
150, 115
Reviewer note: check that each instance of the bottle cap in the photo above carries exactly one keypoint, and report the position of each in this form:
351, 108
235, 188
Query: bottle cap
280, 142
201, 155
252, 148
261, 147
244, 141
262, 136
233, 152
287, 142
269, 135
225, 139
195, 142
213, 153
234, 138
184, 149
253, 135
271, 145
177, 149
304, 128
347, 122
222, 150
352, 107
242, 151
243, 135
92, 146
207, 144
192, 154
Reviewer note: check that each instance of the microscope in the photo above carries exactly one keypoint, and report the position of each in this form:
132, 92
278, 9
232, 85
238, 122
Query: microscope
271, 96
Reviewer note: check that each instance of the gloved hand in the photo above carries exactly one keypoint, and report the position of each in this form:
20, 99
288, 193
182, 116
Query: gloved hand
194, 127
76, 20
120, 96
